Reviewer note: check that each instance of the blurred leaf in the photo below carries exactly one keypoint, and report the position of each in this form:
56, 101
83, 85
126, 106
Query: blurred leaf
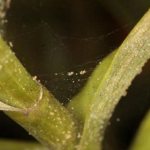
142, 139
19, 145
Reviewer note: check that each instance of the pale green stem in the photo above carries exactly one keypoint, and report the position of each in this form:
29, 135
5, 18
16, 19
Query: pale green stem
30, 104
125, 64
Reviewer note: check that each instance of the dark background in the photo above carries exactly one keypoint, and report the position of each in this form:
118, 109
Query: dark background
54, 37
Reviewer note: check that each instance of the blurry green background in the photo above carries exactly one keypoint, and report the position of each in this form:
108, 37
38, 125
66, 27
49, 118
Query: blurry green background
54, 37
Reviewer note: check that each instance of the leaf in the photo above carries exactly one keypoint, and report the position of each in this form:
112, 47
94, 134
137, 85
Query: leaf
80, 104
142, 139
126, 63
20, 145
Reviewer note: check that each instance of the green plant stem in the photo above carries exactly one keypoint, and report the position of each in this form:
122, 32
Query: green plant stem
19, 145
123, 67
32, 106
80, 104
142, 139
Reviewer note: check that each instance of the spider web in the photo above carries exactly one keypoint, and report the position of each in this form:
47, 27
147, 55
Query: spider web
68, 82
50, 45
